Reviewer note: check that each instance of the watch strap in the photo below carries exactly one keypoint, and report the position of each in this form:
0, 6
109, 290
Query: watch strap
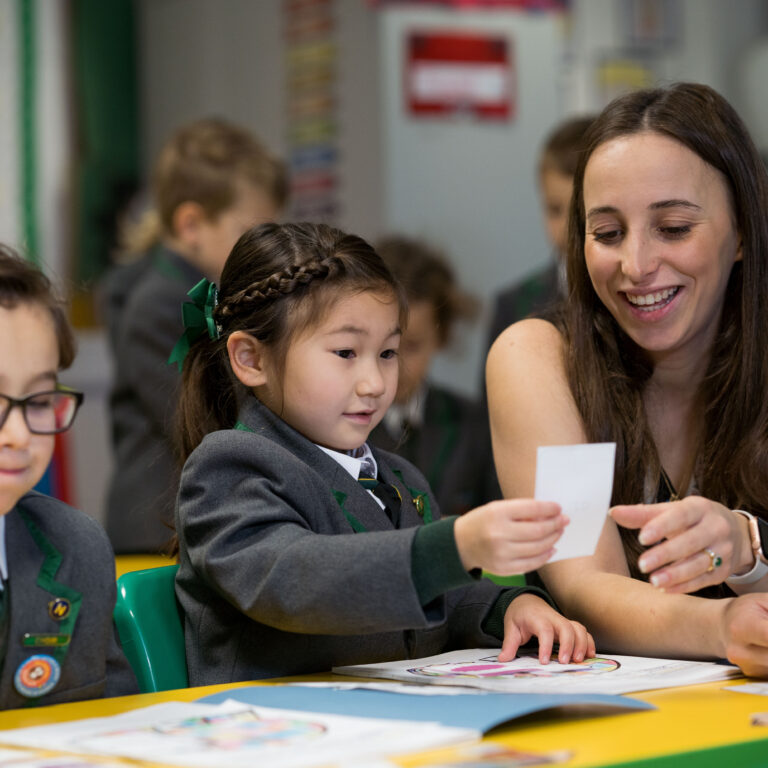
760, 568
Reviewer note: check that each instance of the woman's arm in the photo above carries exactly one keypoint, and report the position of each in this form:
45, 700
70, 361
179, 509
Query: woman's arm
530, 405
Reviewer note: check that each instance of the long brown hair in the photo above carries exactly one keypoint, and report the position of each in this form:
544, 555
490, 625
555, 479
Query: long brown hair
279, 279
608, 372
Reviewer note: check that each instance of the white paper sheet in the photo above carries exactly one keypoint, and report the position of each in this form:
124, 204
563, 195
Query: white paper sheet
609, 673
760, 689
239, 736
580, 479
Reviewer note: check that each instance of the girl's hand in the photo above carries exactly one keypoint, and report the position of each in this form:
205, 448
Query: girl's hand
689, 530
528, 616
509, 536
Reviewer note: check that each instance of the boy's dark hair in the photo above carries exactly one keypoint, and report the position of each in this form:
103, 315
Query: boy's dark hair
23, 283
279, 280
562, 147
426, 275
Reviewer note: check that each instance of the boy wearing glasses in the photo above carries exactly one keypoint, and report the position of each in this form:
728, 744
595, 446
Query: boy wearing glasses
57, 574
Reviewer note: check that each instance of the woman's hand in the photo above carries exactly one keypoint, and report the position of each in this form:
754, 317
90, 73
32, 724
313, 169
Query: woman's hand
509, 536
702, 542
745, 633
528, 616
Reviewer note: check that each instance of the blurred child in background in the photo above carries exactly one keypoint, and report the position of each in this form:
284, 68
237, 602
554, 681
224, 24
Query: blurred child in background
212, 181
558, 158
443, 433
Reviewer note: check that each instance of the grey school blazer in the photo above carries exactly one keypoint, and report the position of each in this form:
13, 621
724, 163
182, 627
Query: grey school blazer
61, 582
289, 566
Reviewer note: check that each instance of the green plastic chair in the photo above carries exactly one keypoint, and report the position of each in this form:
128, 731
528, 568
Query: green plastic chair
151, 628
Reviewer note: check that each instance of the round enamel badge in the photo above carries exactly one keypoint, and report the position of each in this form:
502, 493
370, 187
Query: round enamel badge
37, 676
58, 609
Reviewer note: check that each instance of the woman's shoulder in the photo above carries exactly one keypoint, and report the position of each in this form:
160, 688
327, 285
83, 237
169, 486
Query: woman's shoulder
532, 342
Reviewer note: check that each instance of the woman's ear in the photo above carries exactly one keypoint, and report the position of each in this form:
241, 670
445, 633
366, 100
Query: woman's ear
248, 358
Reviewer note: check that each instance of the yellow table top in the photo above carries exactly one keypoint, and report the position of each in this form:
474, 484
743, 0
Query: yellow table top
689, 719
126, 563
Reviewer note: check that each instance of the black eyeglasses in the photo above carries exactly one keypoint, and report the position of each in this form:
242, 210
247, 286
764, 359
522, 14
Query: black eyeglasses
45, 413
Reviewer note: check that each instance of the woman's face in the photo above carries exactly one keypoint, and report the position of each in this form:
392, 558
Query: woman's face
660, 242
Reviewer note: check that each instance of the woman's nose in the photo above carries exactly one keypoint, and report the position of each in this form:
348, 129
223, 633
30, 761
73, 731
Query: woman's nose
639, 258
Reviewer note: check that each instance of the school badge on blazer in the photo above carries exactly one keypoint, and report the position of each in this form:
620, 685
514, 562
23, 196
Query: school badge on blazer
37, 676
58, 608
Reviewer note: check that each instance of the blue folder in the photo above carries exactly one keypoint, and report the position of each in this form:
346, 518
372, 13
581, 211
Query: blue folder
479, 711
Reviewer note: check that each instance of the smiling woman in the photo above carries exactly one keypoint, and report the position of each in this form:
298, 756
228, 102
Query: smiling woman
658, 350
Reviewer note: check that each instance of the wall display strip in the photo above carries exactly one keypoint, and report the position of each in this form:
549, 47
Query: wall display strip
312, 108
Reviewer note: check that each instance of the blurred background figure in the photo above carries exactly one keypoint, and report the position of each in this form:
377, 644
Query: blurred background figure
440, 431
556, 168
212, 181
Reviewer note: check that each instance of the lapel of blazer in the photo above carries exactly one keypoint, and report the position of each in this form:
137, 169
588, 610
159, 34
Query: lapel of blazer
33, 561
361, 511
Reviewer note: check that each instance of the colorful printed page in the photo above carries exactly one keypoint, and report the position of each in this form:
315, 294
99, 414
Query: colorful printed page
609, 674
238, 736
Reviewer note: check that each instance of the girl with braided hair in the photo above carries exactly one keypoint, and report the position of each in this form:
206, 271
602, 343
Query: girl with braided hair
300, 546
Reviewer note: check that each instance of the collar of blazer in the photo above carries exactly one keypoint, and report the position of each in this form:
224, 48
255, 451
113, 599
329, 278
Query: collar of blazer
46, 627
360, 510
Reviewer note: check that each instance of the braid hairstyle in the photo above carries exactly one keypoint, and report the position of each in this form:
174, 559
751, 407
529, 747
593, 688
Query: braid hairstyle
279, 280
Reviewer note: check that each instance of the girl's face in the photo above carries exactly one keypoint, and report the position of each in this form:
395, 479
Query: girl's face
660, 242
29, 360
340, 376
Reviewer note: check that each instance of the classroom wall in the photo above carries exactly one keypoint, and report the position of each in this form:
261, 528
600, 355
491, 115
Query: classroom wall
228, 57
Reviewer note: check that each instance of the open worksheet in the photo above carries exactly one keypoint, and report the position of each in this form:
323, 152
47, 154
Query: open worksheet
235, 735
611, 673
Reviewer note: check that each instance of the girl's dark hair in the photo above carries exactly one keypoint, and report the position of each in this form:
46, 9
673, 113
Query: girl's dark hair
426, 275
279, 280
608, 372
23, 283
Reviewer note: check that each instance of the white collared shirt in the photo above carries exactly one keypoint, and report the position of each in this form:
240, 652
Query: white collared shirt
353, 463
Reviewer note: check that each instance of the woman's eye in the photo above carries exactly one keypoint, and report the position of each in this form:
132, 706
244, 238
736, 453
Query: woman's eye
675, 233
607, 236
345, 353
388, 354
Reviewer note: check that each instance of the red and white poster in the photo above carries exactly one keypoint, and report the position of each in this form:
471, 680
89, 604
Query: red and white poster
449, 73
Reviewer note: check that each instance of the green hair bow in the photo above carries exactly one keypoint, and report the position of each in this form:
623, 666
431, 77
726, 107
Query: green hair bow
197, 317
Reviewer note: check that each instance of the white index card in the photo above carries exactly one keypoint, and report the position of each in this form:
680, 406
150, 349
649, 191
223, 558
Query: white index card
580, 479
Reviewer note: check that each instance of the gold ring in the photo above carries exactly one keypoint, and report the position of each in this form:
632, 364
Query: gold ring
715, 561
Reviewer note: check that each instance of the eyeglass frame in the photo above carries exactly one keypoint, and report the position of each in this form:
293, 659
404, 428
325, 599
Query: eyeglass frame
21, 402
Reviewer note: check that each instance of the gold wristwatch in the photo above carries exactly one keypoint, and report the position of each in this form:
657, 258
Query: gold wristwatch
758, 535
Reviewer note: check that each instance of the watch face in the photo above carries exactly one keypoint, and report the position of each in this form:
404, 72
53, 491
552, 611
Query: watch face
762, 527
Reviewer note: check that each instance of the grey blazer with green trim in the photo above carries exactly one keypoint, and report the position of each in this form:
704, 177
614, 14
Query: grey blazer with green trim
145, 323
273, 578
55, 551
